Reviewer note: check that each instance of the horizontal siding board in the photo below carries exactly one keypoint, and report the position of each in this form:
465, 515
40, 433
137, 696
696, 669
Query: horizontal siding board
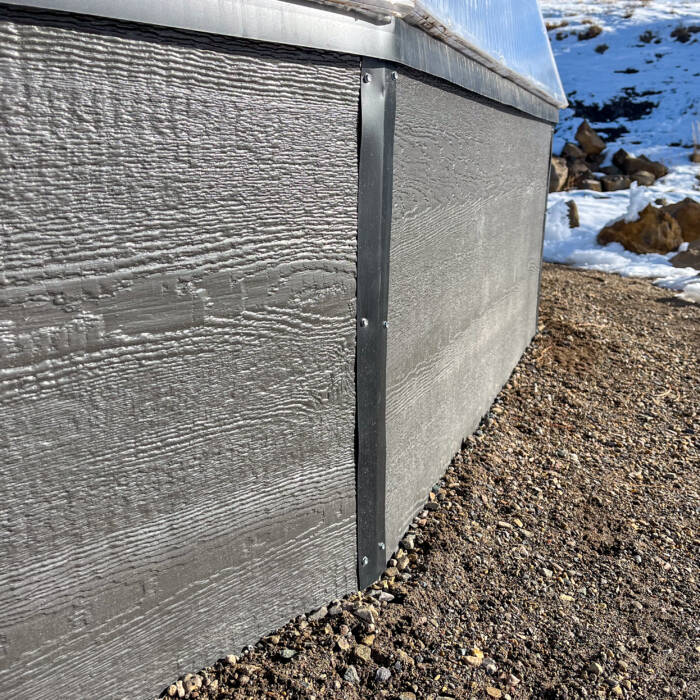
468, 206
177, 347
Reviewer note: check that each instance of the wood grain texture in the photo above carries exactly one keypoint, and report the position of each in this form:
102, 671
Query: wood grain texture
177, 347
468, 207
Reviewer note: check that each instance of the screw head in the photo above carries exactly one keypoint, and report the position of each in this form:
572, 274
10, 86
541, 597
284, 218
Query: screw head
367, 78
394, 75
364, 322
385, 324
382, 545
365, 561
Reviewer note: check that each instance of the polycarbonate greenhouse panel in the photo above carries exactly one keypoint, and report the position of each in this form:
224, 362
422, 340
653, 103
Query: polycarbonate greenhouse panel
509, 36
510, 31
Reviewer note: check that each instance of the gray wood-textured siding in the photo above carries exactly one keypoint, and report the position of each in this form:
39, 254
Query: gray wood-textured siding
177, 347
470, 184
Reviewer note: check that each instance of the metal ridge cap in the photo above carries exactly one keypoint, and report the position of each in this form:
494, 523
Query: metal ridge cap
320, 27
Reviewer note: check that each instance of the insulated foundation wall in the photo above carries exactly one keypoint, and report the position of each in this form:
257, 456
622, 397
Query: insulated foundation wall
177, 348
470, 187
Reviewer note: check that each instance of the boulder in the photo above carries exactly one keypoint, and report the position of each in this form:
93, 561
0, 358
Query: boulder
654, 166
644, 178
655, 231
620, 158
611, 170
578, 172
558, 174
590, 142
573, 214
629, 164
591, 184
572, 151
688, 258
695, 157
687, 214
595, 161
613, 183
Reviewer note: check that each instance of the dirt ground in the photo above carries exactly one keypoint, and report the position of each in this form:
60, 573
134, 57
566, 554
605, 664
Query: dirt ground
560, 555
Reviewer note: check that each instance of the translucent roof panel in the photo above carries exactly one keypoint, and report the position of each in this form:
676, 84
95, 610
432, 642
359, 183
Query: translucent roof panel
510, 32
507, 35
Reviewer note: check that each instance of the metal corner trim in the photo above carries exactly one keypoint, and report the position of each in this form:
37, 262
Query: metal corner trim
375, 183
544, 226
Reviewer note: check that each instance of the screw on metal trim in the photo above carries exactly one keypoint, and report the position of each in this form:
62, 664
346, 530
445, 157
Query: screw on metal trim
385, 324
394, 75
367, 78
364, 322
382, 545
365, 561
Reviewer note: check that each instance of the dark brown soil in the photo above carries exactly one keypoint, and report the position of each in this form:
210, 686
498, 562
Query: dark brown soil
564, 545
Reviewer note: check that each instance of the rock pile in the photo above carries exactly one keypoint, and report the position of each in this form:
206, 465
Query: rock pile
579, 166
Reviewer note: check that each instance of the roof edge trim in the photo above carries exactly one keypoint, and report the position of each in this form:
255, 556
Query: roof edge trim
317, 26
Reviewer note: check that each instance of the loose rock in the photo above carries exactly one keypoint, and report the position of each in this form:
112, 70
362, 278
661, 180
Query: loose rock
589, 140
644, 178
654, 232
613, 183
578, 172
366, 615
688, 258
382, 675
558, 174
687, 214
591, 184
351, 675
363, 652
409, 543
630, 164
318, 614
573, 217
572, 151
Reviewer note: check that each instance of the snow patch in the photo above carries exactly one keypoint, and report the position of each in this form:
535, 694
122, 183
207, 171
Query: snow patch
638, 200
642, 62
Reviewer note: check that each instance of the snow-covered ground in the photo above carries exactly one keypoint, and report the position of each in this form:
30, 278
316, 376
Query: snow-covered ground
657, 77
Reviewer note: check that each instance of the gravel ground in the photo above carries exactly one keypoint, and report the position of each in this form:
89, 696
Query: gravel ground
559, 558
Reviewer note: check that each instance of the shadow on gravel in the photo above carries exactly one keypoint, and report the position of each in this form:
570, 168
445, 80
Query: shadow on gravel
674, 302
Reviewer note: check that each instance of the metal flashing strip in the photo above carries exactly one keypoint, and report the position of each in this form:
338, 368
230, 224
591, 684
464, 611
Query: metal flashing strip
319, 27
376, 168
